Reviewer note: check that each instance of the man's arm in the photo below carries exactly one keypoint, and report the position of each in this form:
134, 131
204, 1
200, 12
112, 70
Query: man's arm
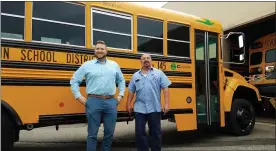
166, 95
75, 81
131, 92
165, 82
120, 81
130, 97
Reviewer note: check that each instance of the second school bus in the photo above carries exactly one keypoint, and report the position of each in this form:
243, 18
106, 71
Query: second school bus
41, 49
262, 57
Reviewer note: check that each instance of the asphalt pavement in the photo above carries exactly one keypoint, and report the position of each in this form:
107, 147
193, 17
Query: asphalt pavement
73, 138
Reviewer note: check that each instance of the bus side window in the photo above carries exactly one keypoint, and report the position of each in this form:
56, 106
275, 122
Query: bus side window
12, 19
178, 40
58, 22
112, 27
150, 35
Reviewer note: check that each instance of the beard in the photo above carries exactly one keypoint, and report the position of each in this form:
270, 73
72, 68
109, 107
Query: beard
146, 63
100, 55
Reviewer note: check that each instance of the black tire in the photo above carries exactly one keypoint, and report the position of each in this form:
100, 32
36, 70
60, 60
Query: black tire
241, 119
7, 133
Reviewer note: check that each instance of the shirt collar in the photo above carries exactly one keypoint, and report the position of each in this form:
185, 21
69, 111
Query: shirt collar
97, 61
151, 69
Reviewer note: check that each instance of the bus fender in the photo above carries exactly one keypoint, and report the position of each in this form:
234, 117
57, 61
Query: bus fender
12, 113
239, 88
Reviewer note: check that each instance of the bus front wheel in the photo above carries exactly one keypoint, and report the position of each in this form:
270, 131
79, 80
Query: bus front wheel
242, 117
7, 132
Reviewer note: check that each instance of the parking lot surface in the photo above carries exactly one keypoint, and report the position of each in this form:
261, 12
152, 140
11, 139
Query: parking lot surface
73, 138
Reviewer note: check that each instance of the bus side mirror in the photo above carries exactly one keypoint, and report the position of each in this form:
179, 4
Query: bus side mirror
233, 45
241, 39
241, 58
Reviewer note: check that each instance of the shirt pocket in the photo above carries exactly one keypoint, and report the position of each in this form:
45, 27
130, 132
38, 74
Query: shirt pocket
138, 85
155, 79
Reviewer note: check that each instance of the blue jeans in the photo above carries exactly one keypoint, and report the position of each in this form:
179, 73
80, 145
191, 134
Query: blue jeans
154, 124
97, 110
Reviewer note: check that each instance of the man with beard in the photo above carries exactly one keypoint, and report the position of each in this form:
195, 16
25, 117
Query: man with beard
147, 83
101, 76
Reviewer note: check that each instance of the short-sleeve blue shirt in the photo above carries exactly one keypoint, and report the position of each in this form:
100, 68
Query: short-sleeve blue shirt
148, 90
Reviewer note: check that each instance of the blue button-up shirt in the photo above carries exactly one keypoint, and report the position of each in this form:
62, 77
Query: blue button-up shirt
148, 90
100, 78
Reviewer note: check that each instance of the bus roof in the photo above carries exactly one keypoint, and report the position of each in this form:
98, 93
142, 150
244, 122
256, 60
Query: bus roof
268, 36
162, 14
267, 41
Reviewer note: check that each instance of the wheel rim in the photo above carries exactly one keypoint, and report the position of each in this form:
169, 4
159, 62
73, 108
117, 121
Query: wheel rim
244, 118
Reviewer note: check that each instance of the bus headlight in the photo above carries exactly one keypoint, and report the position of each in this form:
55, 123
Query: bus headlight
260, 69
269, 68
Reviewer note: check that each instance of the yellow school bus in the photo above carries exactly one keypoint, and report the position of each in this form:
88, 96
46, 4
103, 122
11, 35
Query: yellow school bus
262, 57
43, 43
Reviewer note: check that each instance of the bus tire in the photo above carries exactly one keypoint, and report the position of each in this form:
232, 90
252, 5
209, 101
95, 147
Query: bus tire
7, 132
242, 117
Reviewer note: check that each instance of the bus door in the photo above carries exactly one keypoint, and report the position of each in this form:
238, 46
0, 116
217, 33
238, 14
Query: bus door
270, 60
207, 77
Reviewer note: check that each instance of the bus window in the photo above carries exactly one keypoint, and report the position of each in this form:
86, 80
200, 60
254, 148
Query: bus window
199, 47
113, 28
256, 58
53, 23
270, 56
150, 35
178, 40
213, 48
12, 20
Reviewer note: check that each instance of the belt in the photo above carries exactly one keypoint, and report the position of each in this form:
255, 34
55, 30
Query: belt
101, 96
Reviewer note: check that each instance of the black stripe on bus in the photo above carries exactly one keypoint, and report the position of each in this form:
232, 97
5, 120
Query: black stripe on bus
81, 117
65, 67
57, 82
33, 45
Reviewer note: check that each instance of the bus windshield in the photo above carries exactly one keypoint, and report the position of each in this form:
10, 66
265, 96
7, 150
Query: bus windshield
256, 58
270, 56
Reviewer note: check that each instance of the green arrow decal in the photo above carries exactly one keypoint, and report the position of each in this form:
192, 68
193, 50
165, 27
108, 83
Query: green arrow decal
206, 22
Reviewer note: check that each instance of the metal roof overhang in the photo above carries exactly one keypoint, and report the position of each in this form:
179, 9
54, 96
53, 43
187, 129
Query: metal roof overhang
230, 14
